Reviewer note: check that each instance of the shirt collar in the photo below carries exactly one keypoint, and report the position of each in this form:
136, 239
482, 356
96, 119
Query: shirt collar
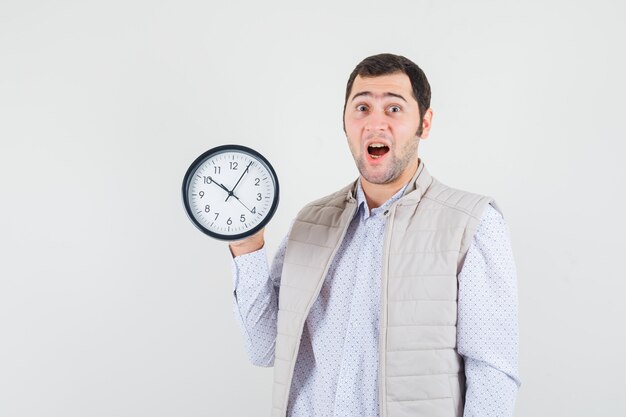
361, 201
413, 193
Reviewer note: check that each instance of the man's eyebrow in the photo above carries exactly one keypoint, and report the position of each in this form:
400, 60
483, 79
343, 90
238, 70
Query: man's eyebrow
369, 94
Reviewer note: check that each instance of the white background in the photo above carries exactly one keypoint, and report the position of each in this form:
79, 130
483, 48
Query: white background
113, 304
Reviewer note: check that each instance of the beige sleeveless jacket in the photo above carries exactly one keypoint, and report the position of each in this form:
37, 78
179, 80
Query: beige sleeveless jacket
427, 235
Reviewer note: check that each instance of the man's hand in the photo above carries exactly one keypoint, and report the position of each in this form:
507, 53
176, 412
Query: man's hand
248, 245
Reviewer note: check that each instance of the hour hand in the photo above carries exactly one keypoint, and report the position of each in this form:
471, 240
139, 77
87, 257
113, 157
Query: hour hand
222, 186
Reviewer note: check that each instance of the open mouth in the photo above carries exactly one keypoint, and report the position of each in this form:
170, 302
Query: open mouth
377, 150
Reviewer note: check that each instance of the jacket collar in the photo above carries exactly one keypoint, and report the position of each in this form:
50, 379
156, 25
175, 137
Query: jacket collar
417, 186
414, 190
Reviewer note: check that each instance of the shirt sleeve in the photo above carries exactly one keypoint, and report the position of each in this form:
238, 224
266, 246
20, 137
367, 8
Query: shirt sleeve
487, 330
255, 302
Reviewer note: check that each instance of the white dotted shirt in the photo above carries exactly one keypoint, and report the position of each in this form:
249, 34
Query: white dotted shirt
336, 372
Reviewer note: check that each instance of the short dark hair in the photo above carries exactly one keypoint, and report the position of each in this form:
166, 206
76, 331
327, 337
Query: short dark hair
384, 64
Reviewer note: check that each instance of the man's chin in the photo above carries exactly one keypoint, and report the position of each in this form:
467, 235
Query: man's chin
384, 177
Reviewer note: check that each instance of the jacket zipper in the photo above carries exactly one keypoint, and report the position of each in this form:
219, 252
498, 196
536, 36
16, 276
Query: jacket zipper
382, 337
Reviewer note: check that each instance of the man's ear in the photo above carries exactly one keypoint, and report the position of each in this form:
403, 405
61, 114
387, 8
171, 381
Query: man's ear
427, 121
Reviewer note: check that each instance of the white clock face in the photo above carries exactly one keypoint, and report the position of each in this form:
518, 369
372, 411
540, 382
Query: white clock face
231, 193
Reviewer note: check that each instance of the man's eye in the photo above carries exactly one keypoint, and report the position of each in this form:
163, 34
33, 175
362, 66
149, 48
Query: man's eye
361, 107
394, 109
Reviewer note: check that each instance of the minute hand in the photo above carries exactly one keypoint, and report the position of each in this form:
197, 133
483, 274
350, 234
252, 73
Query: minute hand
239, 180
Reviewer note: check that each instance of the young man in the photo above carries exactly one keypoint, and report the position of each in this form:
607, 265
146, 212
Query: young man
395, 296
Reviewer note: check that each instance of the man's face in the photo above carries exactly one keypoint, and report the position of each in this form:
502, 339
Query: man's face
382, 120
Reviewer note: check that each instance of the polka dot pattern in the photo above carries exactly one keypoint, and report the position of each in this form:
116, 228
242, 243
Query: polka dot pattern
487, 329
337, 366
255, 303
336, 371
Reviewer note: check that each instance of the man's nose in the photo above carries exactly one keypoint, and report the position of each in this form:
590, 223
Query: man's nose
377, 121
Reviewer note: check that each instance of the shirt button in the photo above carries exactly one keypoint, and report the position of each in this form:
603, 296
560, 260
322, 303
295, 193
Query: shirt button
386, 212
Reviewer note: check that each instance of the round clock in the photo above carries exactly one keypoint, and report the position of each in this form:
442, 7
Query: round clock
230, 192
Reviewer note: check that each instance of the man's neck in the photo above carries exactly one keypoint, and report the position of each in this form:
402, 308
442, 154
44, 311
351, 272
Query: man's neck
377, 194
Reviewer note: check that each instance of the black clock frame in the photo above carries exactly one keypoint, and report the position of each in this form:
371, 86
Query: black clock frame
199, 161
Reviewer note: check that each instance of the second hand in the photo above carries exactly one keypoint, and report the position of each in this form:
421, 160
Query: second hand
241, 202
223, 187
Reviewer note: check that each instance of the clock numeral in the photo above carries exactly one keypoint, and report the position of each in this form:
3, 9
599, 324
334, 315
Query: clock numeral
242, 219
207, 208
207, 180
218, 169
229, 221
217, 215
257, 182
201, 194
233, 165
259, 197
253, 211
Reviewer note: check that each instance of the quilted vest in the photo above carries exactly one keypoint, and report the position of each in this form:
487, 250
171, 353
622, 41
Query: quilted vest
427, 235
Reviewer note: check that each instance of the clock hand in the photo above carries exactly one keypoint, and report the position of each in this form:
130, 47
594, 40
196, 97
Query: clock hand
223, 187
219, 185
240, 202
233, 190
